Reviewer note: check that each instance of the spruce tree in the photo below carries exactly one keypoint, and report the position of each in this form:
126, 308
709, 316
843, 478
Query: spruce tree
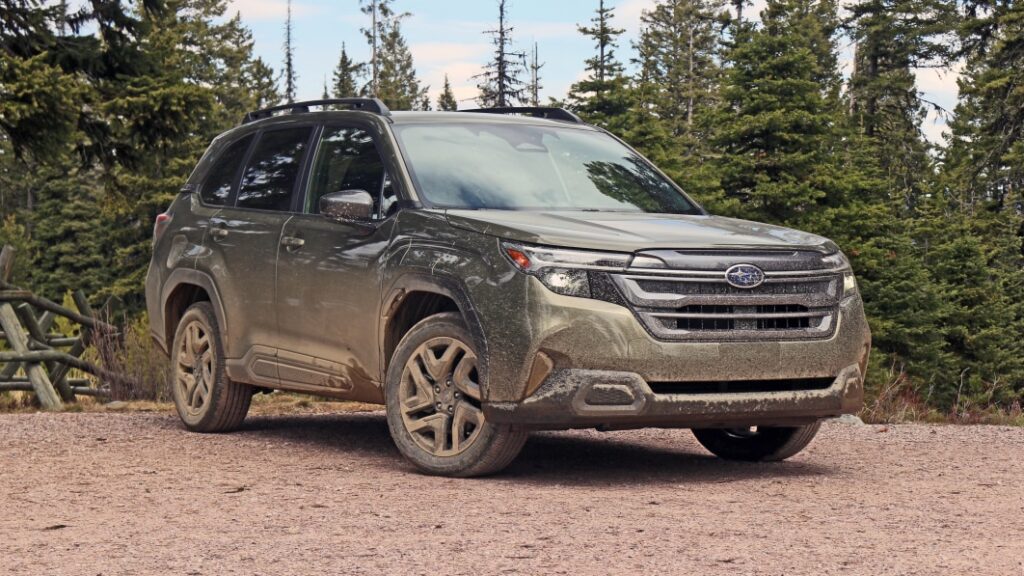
976, 244
675, 93
394, 74
679, 49
534, 86
501, 82
195, 91
603, 95
778, 122
290, 76
894, 38
346, 76
446, 101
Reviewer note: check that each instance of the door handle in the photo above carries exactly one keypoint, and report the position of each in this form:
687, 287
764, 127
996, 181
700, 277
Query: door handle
292, 242
219, 233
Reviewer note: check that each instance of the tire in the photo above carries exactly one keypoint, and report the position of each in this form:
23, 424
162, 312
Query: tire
433, 395
763, 444
206, 400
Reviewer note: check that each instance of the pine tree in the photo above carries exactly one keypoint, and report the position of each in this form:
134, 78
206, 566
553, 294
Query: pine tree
675, 92
372, 9
346, 76
394, 74
259, 77
678, 53
779, 119
893, 38
986, 149
534, 87
501, 82
446, 101
290, 76
603, 95
976, 240
196, 90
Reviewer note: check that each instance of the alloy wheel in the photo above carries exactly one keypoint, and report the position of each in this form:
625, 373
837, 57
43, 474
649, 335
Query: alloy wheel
195, 367
440, 397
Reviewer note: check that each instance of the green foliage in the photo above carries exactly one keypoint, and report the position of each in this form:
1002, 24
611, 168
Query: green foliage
446, 101
392, 73
778, 125
603, 94
104, 112
346, 76
38, 106
141, 106
501, 82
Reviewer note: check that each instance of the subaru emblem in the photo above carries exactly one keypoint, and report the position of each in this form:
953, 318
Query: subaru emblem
744, 276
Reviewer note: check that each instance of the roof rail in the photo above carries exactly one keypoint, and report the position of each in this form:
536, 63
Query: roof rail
373, 105
535, 111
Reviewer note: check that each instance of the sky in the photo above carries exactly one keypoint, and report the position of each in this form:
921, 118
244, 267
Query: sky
446, 37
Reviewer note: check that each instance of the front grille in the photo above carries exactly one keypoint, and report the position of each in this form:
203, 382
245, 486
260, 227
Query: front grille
704, 318
677, 304
741, 386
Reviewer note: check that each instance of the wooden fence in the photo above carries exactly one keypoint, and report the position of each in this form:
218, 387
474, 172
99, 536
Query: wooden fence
37, 357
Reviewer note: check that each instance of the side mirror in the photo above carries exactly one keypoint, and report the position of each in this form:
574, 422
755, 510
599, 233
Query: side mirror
351, 206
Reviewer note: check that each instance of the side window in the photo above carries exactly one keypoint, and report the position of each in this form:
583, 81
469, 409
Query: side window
221, 178
270, 175
346, 160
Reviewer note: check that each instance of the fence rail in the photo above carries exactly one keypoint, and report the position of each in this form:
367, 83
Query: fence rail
38, 357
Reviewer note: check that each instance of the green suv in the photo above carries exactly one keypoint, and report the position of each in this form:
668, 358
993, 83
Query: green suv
487, 273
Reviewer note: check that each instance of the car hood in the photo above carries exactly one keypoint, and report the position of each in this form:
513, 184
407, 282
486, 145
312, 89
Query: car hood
629, 232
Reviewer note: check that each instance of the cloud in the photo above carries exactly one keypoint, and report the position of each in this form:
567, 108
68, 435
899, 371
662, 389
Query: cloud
540, 30
442, 53
940, 80
934, 127
269, 9
627, 16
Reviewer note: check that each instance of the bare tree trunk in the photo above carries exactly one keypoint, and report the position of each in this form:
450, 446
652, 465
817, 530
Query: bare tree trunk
502, 55
689, 103
373, 50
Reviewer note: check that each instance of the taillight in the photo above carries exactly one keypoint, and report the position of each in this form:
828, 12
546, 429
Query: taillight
162, 220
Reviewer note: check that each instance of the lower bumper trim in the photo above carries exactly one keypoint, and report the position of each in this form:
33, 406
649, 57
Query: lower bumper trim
573, 398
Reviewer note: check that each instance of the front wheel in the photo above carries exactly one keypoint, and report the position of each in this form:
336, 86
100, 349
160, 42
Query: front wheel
756, 444
434, 406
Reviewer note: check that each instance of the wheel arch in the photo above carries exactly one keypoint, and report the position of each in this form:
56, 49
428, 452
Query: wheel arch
414, 297
182, 289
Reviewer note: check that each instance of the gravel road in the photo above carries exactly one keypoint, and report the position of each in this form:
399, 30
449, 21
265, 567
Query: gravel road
89, 494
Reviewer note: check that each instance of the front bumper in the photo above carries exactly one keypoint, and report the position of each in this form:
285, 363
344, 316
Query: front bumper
596, 343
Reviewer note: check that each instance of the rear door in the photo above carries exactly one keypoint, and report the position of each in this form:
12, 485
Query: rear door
245, 237
328, 279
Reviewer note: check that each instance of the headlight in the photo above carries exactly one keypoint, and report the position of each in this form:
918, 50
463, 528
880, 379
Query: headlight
839, 261
849, 284
563, 271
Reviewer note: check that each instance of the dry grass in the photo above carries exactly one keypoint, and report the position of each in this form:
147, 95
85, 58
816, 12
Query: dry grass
897, 401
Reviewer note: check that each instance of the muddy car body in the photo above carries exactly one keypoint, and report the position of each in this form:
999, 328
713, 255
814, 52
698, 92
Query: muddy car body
400, 259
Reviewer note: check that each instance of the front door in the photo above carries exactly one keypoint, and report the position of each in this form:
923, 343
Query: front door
328, 279
246, 236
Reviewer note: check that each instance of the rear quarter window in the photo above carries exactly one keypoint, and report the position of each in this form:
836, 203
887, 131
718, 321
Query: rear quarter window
220, 180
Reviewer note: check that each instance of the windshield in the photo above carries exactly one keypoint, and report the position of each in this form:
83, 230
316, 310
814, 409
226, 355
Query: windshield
528, 167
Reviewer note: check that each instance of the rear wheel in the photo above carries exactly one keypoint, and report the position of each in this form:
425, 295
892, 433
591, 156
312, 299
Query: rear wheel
434, 405
756, 444
206, 400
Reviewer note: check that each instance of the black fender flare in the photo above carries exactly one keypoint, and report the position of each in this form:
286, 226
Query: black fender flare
439, 283
182, 276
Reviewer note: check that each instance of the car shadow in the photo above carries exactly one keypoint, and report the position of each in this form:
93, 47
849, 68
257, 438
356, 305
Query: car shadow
548, 458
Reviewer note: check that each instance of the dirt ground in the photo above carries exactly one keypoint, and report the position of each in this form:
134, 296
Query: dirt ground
327, 493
